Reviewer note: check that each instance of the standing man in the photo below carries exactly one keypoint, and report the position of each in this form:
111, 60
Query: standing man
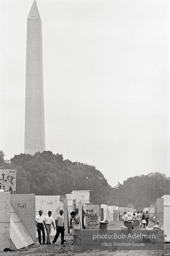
40, 226
143, 220
76, 225
139, 218
59, 227
77, 220
48, 222
147, 218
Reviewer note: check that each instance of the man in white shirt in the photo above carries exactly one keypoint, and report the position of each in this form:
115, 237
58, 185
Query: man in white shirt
40, 226
76, 220
76, 225
59, 227
48, 222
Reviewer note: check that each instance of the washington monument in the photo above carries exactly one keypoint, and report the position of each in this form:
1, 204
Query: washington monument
34, 98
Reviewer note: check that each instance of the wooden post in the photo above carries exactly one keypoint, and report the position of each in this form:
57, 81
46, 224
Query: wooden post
66, 224
102, 214
80, 213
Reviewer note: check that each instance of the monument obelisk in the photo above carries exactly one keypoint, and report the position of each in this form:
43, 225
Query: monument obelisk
34, 98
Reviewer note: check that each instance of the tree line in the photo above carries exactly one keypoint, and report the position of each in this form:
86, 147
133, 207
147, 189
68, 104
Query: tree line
49, 174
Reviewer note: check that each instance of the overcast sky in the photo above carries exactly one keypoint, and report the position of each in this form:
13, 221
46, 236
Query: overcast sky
106, 78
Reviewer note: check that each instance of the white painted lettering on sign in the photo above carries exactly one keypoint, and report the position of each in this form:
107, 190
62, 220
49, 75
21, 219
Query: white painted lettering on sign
8, 180
92, 216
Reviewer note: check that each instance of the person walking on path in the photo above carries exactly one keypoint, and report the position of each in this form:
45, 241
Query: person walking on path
59, 227
48, 222
40, 226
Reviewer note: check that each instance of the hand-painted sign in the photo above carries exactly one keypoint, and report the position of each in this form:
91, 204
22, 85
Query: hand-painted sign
91, 216
8, 180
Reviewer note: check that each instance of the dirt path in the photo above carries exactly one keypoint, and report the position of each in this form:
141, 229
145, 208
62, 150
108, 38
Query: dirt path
68, 250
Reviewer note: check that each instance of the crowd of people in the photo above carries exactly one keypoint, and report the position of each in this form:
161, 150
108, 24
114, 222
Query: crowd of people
139, 219
44, 224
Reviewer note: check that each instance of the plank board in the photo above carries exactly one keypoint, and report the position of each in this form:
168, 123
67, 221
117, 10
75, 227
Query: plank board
166, 221
110, 214
66, 219
4, 221
4, 214
4, 236
80, 213
24, 206
18, 233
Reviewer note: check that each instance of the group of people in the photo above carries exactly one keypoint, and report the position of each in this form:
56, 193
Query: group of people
141, 218
44, 223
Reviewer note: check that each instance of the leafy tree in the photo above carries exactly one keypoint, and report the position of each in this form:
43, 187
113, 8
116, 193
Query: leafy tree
46, 173
140, 191
49, 174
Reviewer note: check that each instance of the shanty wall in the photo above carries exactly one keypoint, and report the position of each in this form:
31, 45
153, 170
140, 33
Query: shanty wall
81, 195
166, 218
52, 203
110, 214
24, 206
48, 203
4, 220
159, 209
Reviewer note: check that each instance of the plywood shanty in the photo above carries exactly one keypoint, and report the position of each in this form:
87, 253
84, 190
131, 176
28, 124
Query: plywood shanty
81, 195
18, 233
4, 220
115, 214
159, 209
166, 222
48, 203
24, 206
110, 214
